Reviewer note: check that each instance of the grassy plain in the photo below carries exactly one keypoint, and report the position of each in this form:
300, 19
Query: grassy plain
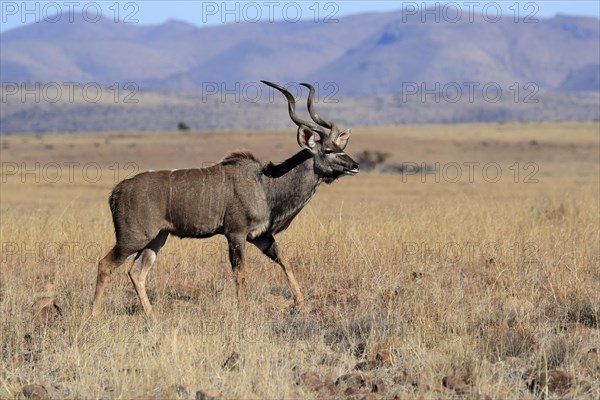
486, 269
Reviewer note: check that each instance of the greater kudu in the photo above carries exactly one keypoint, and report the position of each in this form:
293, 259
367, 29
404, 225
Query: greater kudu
239, 197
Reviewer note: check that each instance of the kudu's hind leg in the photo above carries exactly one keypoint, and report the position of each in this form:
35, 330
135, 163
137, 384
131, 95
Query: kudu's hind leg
106, 266
142, 264
269, 247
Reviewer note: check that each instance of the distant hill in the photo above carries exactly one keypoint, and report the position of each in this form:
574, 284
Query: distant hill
586, 78
368, 54
385, 68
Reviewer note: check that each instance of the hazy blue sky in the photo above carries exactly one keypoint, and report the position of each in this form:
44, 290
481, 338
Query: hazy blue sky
19, 13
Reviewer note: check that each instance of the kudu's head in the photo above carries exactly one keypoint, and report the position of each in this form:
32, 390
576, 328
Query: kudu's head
327, 148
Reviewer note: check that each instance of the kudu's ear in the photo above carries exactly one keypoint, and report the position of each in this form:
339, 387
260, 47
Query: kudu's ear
342, 138
306, 137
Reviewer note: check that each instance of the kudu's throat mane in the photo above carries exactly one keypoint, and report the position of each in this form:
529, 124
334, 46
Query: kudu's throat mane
278, 170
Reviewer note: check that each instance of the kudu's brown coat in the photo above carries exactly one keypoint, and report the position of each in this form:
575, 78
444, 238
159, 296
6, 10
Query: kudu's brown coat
239, 197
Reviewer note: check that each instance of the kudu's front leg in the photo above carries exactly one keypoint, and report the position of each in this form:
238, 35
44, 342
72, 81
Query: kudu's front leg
237, 255
269, 247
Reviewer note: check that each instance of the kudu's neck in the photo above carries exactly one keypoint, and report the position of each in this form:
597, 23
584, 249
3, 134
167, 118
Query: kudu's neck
291, 184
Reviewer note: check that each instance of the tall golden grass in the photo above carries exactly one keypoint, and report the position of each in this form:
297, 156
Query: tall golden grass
494, 283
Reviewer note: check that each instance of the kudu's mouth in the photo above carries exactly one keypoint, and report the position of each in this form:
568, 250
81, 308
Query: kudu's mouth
352, 171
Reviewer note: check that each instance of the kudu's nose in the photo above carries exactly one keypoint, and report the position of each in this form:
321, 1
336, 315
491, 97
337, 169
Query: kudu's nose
353, 170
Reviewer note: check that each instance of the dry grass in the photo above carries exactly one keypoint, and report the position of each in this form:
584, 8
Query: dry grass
493, 283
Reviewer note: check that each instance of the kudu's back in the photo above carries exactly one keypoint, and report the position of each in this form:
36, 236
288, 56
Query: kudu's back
194, 203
